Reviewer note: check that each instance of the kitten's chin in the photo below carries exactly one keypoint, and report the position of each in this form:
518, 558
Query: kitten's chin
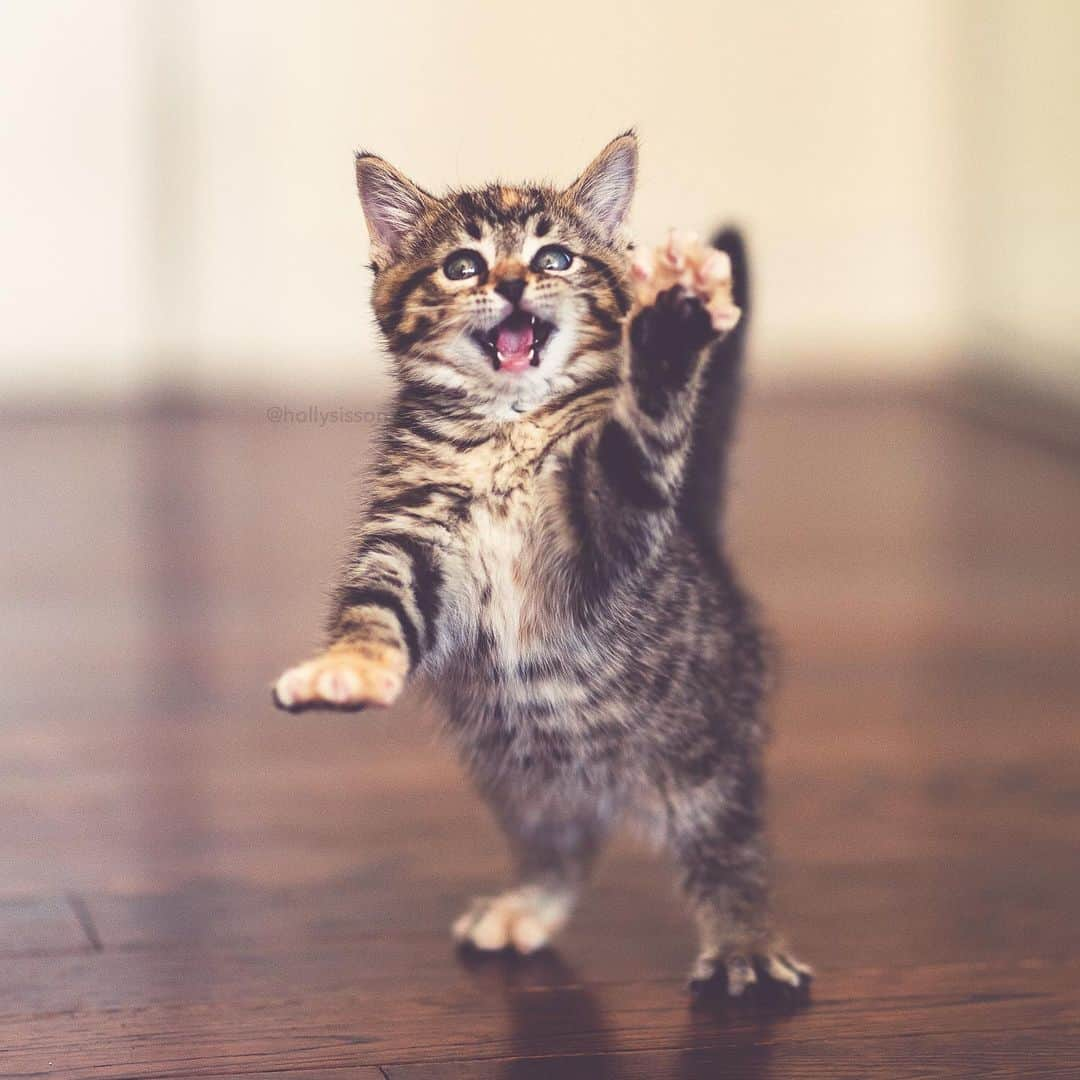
510, 396
516, 394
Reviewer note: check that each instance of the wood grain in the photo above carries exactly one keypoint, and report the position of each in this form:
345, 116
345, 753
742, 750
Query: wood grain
196, 885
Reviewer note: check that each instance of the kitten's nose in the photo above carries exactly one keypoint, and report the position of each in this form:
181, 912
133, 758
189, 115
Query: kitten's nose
512, 289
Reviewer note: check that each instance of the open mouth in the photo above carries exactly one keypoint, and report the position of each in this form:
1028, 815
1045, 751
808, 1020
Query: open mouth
517, 342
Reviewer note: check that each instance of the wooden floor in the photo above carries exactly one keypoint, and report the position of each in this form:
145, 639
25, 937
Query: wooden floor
193, 884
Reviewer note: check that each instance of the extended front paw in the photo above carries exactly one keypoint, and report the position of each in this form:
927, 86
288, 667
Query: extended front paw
344, 677
698, 273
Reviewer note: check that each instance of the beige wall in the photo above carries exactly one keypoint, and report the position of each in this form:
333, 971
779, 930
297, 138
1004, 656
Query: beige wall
72, 197
1021, 183
182, 183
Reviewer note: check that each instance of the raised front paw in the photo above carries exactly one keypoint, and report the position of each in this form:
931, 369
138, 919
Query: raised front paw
774, 976
346, 678
692, 280
675, 325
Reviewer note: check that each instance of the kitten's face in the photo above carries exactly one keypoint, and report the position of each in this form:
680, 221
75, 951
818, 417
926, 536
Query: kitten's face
506, 293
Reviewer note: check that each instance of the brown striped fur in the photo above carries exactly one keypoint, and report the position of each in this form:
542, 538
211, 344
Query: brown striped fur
525, 550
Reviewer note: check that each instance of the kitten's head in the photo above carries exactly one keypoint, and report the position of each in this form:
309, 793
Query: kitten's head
503, 295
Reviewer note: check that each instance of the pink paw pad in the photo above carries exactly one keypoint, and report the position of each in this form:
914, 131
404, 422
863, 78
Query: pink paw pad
702, 270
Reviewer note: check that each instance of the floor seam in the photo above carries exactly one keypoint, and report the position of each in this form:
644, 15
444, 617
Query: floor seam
81, 911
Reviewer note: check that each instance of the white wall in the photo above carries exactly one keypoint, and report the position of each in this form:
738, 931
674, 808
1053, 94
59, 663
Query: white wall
181, 172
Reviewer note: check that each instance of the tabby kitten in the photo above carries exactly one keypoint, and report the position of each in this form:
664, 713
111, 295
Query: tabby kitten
541, 543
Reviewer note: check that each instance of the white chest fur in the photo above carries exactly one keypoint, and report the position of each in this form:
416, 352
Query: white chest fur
499, 555
502, 544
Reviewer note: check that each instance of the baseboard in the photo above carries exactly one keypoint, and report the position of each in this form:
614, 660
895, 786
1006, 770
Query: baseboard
981, 395
1017, 407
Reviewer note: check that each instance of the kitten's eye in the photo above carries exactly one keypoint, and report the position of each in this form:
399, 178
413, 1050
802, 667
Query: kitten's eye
463, 264
552, 257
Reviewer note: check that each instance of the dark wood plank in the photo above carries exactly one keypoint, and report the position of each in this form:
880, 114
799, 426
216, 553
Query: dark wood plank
271, 894
904, 1057
495, 1011
373, 1073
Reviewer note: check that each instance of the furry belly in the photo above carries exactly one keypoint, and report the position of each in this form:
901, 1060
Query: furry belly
516, 730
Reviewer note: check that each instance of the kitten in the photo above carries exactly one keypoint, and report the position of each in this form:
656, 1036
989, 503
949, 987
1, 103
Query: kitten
541, 542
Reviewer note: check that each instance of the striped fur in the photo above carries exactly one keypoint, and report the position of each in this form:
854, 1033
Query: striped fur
526, 550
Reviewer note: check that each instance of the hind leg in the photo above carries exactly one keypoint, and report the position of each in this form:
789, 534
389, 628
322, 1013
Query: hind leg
715, 831
554, 849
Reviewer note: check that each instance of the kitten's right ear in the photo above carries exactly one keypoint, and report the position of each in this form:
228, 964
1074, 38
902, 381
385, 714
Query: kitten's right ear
392, 204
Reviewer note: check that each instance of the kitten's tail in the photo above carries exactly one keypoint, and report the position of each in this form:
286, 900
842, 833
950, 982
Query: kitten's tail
702, 502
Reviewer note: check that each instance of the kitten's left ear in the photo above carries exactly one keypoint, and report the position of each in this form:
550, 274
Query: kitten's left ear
393, 204
605, 188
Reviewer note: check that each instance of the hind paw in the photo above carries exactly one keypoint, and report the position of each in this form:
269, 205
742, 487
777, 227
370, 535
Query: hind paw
770, 976
522, 919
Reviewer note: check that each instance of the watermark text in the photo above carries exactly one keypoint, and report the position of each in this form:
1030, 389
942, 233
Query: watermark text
319, 416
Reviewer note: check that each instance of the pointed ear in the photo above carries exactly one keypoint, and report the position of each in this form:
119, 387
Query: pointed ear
392, 204
605, 188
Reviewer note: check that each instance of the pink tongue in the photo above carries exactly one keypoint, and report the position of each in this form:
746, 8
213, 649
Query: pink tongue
514, 346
